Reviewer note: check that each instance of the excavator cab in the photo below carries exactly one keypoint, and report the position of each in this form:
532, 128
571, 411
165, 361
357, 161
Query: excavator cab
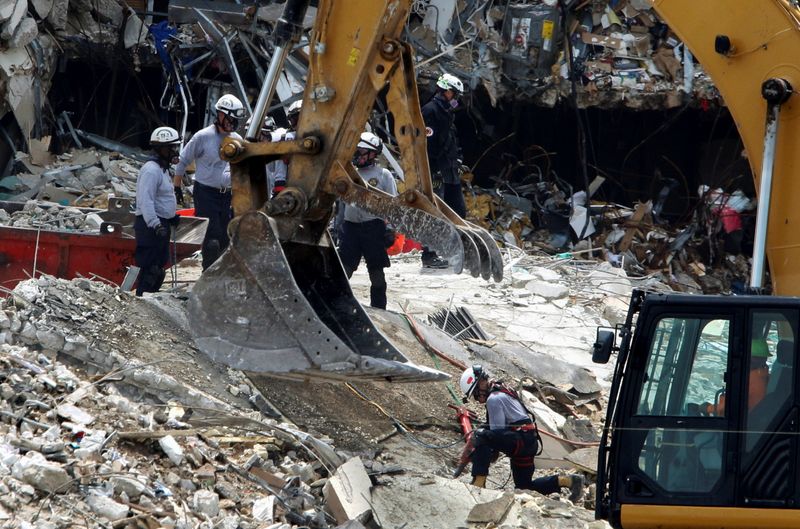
703, 415
278, 300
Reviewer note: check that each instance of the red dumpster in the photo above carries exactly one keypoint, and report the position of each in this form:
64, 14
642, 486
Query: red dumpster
72, 254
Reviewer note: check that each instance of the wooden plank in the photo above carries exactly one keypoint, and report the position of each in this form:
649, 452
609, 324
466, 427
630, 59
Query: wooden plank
633, 226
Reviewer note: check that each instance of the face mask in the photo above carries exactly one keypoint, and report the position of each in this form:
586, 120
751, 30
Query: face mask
454, 103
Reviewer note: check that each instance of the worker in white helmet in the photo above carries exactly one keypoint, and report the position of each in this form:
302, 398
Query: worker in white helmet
444, 154
156, 207
212, 183
511, 430
364, 234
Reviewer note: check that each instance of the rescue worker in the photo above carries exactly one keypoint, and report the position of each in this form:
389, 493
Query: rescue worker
443, 152
758, 380
363, 234
156, 207
212, 183
512, 431
280, 168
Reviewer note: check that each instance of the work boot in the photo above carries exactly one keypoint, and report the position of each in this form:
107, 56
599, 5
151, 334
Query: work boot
576, 487
436, 263
479, 481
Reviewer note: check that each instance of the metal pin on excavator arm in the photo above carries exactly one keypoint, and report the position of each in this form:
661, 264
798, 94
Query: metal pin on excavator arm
278, 300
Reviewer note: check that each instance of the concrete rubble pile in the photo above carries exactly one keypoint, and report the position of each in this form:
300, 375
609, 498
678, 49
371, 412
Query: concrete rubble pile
51, 218
90, 429
623, 53
76, 448
81, 177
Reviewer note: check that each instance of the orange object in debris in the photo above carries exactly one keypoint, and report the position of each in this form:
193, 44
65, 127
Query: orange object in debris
188, 212
410, 245
397, 247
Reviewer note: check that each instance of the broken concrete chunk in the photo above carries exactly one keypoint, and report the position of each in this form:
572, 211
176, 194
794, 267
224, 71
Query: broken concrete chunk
206, 502
547, 290
42, 7
107, 508
92, 177
20, 7
74, 414
130, 486
347, 493
264, 509
26, 31
492, 511
171, 447
50, 340
58, 14
42, 475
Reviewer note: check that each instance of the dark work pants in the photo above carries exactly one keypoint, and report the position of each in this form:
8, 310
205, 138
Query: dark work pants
151, 256
521, 447
210, 203
453, 197
366, 239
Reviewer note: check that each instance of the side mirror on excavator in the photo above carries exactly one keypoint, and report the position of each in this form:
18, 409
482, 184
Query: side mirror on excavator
603, 346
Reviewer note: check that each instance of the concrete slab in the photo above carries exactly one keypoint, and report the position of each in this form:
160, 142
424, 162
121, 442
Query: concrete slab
493, 511
10, 25
427, 502
347, 493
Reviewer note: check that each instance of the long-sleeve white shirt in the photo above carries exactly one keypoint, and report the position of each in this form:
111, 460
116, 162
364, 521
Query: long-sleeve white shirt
155, 195
203, 150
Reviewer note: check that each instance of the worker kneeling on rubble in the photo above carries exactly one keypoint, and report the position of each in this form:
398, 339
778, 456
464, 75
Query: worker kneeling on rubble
155, 210
512, 431
364, 234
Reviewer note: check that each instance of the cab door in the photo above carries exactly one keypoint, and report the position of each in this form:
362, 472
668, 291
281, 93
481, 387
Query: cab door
768, 462
669, 448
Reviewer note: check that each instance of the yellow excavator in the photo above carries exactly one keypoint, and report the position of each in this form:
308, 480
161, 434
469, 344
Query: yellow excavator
703, 419
278, 300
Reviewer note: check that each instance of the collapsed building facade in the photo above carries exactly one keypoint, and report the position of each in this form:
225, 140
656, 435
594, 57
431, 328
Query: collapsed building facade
623, 114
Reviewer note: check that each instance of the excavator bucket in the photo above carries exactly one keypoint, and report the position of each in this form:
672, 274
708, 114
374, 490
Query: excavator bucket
278, 300
287, 309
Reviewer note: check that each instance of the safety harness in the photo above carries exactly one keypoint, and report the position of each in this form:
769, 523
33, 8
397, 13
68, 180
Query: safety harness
529, 426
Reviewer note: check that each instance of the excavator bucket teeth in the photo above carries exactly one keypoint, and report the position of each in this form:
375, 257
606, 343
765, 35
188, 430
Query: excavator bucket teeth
472, 259
483, 253
286, 309
495, 257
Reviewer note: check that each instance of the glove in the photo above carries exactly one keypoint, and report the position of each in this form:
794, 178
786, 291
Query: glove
161, 231
388, 237
174, 221
436, 180
179, 196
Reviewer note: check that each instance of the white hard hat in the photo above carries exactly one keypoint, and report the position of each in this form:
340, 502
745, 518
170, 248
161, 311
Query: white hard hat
165, 136
230, 105
370, 142
294, 108
469, 380
449, 81
267, 126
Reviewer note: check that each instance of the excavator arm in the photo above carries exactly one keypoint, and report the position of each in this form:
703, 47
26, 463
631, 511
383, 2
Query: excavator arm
278, 300
749, 48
